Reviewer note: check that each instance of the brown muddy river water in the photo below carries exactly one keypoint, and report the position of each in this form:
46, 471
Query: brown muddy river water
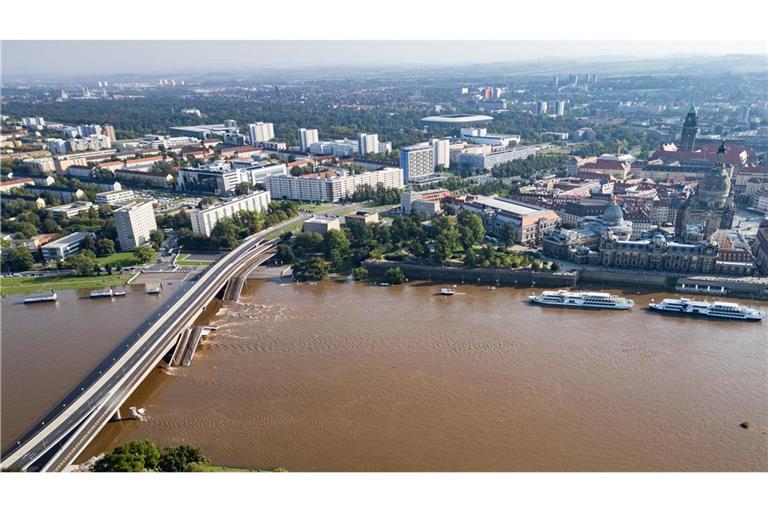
344, 376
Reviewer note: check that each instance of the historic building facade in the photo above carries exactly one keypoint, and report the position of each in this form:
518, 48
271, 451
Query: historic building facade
710, 208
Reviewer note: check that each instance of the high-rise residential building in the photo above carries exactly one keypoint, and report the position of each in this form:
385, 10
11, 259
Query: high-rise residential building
417, 160
555, 80
86, 130
560, 107
203, 221
690, 130
369, 143
261, 132
109, 131
442, 150
134, 223
307, 138
541, 107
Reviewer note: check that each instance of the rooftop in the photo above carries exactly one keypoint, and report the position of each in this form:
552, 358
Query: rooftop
457, 118
66, 240
507, 205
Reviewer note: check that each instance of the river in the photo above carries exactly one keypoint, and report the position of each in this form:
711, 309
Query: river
344, 376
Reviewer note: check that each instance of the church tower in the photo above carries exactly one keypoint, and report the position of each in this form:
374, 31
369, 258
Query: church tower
690, 130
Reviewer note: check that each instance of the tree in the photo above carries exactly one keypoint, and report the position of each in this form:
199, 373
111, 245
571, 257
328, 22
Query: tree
20, 259
284, 253
507, 234
84, 264
313, 269
178, 458
51, 226
89, 244
133, 456
119, 463
156, 236
394, 276
470, 258
360, 274
242, 188
554, 267
144, 254
25, 230
336, 247
471, 228
105, 247
225, 234
306, 243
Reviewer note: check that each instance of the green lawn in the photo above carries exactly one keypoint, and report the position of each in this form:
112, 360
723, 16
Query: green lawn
289, 227
125, 259
22, 285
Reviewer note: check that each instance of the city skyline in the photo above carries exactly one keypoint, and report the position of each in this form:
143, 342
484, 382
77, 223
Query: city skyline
42, 58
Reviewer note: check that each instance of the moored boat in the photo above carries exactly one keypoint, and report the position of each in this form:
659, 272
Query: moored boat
106, 292
41, 297
703, 308
588, 300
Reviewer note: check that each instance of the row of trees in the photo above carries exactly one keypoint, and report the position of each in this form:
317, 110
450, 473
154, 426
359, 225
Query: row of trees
380, 195
143, 455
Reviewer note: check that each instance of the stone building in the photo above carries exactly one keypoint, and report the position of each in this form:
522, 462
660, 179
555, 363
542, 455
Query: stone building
710, 208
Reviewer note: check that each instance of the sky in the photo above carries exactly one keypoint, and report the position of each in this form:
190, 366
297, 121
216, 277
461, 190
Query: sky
70, 58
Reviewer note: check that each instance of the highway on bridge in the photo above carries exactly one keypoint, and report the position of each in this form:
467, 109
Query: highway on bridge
54, 442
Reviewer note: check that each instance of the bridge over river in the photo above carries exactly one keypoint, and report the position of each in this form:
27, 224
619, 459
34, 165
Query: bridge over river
54, 442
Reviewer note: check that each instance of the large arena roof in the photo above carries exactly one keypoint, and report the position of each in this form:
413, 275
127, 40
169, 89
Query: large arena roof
457, 119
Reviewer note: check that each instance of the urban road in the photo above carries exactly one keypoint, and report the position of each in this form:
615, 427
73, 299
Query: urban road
54, 442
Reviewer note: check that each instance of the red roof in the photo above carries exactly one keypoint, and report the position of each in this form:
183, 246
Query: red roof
615, 165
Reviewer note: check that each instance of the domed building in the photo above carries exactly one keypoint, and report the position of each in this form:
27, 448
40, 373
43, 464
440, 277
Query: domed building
570, 242
710, 208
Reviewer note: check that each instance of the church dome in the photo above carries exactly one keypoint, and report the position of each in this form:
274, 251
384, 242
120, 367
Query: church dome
714, 188
613, 214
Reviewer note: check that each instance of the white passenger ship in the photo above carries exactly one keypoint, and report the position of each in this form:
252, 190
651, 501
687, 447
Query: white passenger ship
591, 300
722, 310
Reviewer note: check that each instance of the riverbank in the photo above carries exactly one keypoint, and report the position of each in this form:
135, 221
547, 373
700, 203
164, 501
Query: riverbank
21, 285
751, 288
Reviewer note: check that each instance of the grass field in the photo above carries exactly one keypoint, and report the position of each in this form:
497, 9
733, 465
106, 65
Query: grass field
23, 285
125, 259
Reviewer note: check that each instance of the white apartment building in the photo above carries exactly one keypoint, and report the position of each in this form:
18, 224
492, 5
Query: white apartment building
324, 188
417, 160
203, 221
113, 197
369, 143
307, 138
134, 222
261, 132
442, 149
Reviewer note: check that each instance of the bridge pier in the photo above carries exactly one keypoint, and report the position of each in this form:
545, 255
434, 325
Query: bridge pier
117, 416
